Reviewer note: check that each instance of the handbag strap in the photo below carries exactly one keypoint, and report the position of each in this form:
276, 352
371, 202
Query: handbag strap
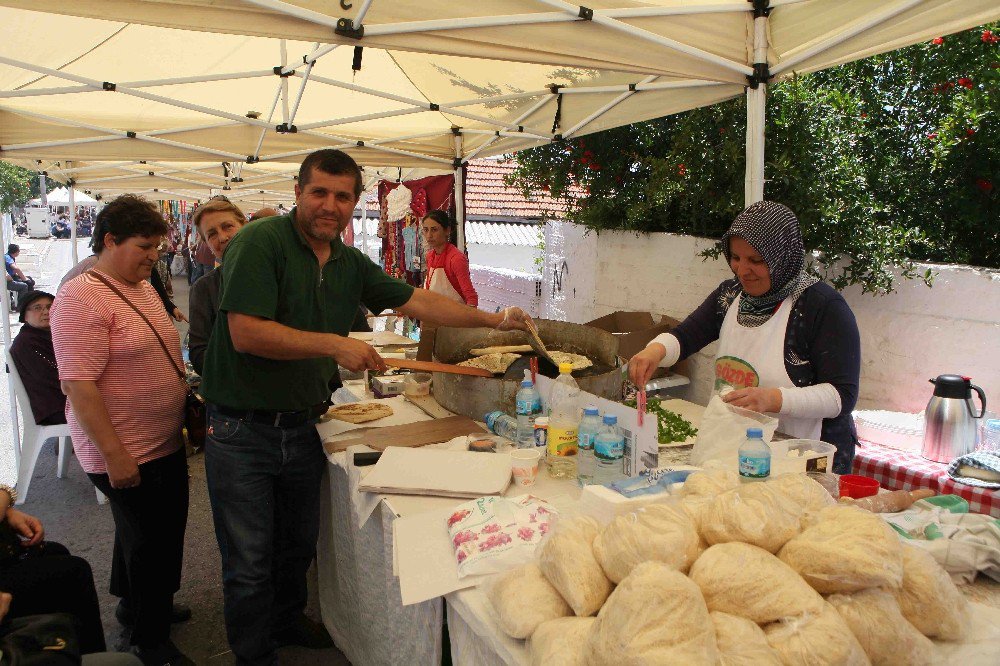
107, 283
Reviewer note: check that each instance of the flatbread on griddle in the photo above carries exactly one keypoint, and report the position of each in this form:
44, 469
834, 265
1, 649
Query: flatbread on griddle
511, 349
359, 412
578, 361
495, 363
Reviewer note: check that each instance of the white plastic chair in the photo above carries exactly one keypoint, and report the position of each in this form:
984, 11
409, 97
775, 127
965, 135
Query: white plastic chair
33, 438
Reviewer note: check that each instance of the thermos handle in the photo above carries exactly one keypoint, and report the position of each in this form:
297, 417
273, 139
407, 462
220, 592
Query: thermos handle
982, 399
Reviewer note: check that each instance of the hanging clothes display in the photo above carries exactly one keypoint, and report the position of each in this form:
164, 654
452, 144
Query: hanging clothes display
403, 206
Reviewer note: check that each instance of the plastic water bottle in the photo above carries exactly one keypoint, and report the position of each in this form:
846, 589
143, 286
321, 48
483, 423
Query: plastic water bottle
585, 436
609, 448
755, 457
502, 424
529, 406
563, 423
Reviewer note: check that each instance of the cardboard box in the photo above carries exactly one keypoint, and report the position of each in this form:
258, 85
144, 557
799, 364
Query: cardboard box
635, 330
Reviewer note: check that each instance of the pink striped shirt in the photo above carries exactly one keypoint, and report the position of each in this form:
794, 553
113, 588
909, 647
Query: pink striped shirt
98, 337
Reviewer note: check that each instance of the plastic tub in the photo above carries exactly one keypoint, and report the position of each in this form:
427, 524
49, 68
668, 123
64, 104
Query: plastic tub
801, 455
417, 384
855, 486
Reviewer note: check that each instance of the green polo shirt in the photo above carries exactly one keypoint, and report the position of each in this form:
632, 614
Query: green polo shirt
270, 271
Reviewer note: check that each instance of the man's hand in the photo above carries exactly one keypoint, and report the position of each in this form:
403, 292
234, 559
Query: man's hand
27, 526
178, 315
357, 356
763, 400
642, 366
5, 601
123, 472
516, 319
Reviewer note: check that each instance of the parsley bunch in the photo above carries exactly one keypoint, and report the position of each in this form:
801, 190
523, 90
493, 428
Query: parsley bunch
672, 427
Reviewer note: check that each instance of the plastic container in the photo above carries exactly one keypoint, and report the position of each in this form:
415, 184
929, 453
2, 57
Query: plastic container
564, 422
609, 449
529, 407
590, 425
542, 434
417, 384
524, 465
485, 443
754, 457
801, 455
502, 424
989, 440
855, 486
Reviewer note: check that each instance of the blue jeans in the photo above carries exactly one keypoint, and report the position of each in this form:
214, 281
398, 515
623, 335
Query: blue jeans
264, 484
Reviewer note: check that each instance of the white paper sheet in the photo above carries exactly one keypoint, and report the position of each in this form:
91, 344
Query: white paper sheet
424, 471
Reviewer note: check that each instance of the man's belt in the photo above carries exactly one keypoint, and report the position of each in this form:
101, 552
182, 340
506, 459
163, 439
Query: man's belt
275, 419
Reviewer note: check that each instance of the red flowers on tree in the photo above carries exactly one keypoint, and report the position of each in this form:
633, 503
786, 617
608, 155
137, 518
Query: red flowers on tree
965, 82
937, 41
682, 170
984, 185
989, 38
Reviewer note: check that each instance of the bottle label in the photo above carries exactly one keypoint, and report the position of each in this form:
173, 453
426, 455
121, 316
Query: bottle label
612, 449
755, 467
585, 440
525, 407
562, 441
541, 436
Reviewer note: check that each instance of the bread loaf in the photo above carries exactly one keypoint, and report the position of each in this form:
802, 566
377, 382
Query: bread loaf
523, 599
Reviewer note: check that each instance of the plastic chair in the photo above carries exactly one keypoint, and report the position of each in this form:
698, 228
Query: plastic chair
33, 438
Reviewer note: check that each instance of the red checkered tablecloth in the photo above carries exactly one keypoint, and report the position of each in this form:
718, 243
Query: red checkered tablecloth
902, 470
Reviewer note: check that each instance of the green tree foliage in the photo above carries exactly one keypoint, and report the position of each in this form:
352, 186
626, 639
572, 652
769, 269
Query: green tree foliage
886, 161
15, 186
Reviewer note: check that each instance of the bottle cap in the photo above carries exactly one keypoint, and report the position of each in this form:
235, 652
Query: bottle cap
542, 421
526, 383
755, 433
527, 376
610, 419
565, 368
590, 410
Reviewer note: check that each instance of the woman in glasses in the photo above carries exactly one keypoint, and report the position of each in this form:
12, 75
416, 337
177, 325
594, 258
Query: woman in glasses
35, 360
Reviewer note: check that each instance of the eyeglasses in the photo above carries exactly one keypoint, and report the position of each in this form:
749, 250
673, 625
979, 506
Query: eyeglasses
40, 307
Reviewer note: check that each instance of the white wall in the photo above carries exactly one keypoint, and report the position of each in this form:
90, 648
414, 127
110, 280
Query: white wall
907, 337
510, 257
499, 288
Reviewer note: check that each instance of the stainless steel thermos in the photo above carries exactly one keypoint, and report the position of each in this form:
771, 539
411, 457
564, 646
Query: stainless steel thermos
950, 428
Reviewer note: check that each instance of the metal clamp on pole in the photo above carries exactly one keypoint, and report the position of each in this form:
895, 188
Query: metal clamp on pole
345, 28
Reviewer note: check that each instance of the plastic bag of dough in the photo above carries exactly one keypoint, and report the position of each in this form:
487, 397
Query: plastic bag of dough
523, 598
816, 639
887, 638
709, 483
562, 642
807, 494
753, 513
695, 507
741, 642
929, 599
846, 550
655, 616
660, 532
748, 581
566, 558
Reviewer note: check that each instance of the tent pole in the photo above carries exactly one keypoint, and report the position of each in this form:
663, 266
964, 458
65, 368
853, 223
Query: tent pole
5, 313
364, 223
756, 110
459, 192
72, 222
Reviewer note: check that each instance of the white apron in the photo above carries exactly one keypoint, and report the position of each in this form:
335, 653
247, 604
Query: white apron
749, 357
438, 282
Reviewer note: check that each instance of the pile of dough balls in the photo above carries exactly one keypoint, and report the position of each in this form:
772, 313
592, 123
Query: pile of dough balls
731, 574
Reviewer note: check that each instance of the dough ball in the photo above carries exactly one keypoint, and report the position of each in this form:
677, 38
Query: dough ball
748, 581
660, 532
561, 642
816, 639
807, 494
846, 550
567, 560
754, 513
709, 483
741, 642
695, 508
523, 599
656, 616
929, 599
887, 638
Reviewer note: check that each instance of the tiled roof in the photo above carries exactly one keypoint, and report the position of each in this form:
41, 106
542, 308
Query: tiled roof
499, 233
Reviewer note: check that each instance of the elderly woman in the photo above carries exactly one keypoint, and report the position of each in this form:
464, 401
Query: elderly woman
217, 221
447, 268
788, 343
119, 361
35, 360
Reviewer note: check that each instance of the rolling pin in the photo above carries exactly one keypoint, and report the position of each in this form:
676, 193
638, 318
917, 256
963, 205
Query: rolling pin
897, 500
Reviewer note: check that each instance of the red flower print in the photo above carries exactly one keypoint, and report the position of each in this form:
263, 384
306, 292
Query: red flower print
542, 510
491, 528
458, 516
461, 555
463, 537
543, 528
525, 533
495, 541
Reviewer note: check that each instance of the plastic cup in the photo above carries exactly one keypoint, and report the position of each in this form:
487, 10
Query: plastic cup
856, 487
524, 465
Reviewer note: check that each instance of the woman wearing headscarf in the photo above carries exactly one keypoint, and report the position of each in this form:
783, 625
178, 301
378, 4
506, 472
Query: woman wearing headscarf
788, 343
447, 268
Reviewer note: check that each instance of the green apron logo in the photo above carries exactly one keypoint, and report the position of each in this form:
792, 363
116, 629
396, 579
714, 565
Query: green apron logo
735, 372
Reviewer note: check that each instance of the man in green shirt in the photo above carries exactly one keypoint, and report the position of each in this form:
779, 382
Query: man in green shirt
290, 292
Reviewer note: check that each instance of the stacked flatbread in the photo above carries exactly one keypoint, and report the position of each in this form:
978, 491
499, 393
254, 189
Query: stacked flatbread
359, 412
495, 363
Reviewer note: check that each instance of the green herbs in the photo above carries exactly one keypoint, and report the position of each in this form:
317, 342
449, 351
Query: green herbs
672, 427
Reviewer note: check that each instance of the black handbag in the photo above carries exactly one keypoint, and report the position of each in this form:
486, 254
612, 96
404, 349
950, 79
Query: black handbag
40, 640
194, 407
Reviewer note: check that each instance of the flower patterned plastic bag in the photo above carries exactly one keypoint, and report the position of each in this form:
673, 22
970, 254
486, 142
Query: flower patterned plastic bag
493, 534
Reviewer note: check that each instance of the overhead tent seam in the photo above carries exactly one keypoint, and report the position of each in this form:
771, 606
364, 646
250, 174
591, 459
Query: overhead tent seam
151, 83
96, 139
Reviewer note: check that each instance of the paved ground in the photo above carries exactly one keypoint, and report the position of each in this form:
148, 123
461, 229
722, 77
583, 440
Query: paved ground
71, 515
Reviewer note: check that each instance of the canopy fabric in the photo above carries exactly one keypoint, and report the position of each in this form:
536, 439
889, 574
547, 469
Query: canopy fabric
60, 196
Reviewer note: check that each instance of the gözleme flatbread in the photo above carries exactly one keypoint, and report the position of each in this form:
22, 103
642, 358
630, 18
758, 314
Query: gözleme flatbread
360, 412
495, 363
578, 361
510, 349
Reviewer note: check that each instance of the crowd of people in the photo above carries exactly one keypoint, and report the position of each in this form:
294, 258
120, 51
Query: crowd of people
269, 330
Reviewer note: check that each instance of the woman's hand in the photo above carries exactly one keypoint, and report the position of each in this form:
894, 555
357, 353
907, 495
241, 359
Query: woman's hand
763, 400
642, 366
27, 526
178, 315
123, 472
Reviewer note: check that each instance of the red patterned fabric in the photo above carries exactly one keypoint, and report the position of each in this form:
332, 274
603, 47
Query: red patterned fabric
902, 470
